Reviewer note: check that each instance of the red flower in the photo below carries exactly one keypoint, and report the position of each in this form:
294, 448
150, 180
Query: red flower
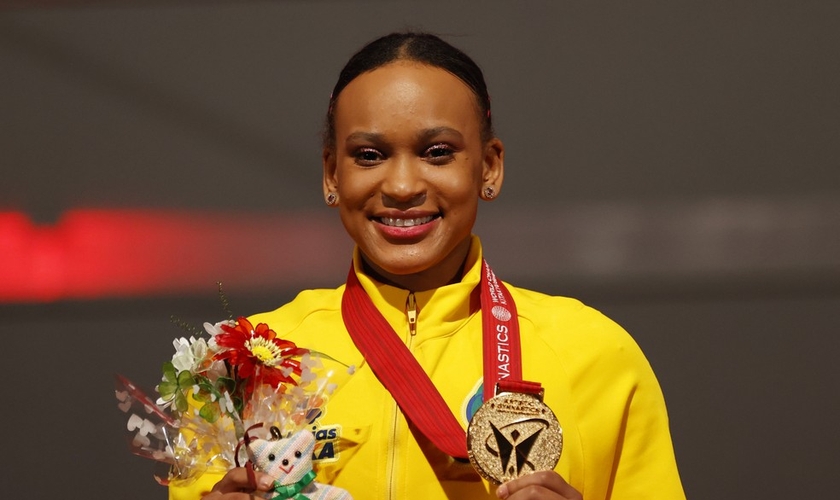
251, 351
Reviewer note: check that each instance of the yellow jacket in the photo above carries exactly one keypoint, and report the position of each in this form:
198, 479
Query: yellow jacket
616, 439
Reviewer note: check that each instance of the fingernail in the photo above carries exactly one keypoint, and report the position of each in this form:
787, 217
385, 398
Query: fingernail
266, 482
502, 491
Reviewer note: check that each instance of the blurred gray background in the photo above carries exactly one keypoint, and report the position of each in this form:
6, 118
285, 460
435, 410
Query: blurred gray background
674, 164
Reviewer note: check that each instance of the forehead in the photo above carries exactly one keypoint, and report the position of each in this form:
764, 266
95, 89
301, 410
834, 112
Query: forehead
406, 92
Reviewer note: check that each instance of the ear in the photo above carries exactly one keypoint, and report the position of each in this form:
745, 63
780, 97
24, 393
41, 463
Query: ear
330, 180
493, 171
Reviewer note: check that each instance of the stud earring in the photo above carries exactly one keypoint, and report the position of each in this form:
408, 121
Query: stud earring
332, 199
489, 192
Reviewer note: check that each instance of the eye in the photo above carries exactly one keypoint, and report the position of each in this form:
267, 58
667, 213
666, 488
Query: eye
271, 457
368, 157
439, 154
298, 454
285, 461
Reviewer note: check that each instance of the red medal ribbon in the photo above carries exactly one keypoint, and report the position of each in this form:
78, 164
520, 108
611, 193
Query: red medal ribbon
502, 355
406, 380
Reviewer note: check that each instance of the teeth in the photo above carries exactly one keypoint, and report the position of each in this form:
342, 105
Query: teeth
405, 222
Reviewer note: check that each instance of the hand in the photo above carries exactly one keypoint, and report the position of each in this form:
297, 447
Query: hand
236, 485
539, 485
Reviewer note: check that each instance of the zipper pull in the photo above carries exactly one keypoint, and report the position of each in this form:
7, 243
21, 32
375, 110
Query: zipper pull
411, 313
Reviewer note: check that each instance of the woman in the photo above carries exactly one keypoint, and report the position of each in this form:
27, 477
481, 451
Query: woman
409, 152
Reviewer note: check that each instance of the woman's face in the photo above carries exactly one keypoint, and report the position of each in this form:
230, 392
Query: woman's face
409, 166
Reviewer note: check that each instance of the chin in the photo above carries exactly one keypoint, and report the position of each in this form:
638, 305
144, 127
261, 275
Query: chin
399, 260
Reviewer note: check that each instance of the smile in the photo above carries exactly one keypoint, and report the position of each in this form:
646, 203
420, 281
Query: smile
388, 221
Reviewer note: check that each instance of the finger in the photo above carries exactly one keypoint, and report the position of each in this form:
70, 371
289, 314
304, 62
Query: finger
536, 485
237, 480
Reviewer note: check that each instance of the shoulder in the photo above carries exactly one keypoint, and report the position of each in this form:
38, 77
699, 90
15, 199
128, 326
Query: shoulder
567, 318
579, 335
308, 306
313, 320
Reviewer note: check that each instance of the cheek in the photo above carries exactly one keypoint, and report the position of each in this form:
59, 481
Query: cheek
459, 189
355, 188
350, 219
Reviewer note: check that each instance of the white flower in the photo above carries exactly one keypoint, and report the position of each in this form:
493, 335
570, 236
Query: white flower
189, 354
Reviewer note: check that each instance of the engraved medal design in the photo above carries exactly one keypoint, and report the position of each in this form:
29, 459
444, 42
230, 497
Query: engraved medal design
513, 434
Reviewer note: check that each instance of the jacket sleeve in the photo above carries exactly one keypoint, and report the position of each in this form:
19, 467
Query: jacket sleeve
624, 421
644, 465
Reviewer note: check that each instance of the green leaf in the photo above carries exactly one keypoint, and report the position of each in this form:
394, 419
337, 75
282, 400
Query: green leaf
181, 402
238, 404
210, 412
204, 386
203, 396
167, 389
186, 379
225, 384
169, 371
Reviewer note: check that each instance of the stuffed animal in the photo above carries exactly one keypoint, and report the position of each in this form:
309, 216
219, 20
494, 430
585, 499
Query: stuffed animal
289, 461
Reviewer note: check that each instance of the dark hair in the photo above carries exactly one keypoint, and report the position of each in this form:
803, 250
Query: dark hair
420, 47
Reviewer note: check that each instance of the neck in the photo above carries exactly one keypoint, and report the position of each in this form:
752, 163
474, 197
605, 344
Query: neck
446, 272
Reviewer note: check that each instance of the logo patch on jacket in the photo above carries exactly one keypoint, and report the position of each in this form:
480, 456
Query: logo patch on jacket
327, 438
474, 400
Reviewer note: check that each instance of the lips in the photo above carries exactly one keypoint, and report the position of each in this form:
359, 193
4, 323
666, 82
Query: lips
405, 222
406, 227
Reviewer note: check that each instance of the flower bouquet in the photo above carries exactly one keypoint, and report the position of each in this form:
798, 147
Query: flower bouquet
241, 386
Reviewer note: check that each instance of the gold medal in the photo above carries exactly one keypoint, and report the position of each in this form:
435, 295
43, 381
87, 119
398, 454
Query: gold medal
513, 434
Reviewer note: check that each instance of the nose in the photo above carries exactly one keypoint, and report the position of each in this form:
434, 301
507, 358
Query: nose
403, 185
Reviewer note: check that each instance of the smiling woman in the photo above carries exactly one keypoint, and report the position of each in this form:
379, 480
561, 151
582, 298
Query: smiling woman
408, 155
408, 181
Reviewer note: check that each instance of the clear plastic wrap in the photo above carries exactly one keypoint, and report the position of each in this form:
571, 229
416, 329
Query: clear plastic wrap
214, 389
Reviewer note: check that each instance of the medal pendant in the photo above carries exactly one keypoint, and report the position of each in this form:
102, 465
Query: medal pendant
512, 435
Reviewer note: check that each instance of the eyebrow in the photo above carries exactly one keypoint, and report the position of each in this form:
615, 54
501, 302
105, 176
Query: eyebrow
422, 135
364, 136
431, 132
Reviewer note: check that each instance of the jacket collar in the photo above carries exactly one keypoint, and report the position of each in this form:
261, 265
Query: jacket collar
440, 311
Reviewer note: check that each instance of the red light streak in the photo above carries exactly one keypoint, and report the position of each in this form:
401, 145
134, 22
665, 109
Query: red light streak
91, 254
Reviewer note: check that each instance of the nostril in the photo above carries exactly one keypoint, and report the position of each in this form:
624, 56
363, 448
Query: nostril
403, 202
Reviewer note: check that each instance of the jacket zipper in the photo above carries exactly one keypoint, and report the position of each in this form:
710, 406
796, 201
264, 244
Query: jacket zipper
411, 316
